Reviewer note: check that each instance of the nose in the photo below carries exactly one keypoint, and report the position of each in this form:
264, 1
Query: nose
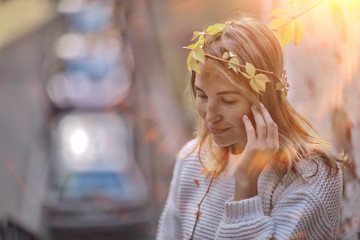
212, 113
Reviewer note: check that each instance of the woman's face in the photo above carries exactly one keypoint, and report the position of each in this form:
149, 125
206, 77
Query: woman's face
222, 106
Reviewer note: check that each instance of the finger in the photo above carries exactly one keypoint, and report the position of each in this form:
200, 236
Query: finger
250, 131
272, 128
260, 123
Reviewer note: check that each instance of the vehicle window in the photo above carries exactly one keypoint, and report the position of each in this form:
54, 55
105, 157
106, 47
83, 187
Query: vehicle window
92, 184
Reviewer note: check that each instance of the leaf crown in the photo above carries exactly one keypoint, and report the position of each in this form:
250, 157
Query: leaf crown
257, 77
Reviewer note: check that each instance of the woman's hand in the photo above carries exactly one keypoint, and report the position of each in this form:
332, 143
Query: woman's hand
262, 144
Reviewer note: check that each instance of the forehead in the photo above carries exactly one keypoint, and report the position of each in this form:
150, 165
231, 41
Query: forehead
211, 78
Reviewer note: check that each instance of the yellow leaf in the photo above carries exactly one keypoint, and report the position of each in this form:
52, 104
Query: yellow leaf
283, 29
225, 55
234, 60
257, 85
191, 46
188, 60
200, 42
245, 75
199, 54
299, 31
279, 86
279, 12
233, 64
213, 29
294, 6
260, 85
201, 39
262, 78
250, 69
196, 34
278, 22
254, 85
231, 54
192, 64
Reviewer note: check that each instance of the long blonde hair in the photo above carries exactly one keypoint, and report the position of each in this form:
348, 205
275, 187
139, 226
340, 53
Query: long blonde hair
253, 42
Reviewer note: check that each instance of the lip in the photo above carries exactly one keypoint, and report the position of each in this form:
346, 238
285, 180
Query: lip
218, 131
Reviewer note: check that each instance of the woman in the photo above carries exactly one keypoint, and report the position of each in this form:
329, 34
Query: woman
256, 169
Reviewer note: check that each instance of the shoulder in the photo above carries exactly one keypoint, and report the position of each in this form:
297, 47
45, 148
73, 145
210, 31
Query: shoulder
188, 160
189, 148
186, 156
316, 169
323, 182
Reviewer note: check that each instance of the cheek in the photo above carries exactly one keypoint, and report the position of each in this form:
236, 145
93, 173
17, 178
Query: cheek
238, 117
200, 107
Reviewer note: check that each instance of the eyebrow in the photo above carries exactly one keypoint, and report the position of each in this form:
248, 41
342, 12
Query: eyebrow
219, 93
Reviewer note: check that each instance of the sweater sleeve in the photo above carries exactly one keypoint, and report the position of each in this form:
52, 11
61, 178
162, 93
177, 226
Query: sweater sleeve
169, 224
303, 211
245, 219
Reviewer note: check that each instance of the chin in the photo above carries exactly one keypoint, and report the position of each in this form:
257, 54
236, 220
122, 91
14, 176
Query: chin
222, 142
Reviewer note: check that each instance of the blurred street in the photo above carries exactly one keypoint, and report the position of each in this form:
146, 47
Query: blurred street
93, 112
27, 128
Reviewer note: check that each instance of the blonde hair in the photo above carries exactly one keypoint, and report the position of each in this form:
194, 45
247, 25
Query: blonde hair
253, 42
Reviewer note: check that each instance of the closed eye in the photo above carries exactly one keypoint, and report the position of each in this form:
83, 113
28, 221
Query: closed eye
200, 95
230, 102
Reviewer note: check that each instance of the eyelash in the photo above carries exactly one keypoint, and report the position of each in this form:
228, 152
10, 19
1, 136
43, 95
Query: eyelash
225, 101
201, 96
229, 102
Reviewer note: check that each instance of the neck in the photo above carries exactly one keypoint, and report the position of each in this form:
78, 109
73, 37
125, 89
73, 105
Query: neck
238, 148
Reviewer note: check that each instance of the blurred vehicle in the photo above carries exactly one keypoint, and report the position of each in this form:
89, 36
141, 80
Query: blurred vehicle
87, 16
11, 229
95, 182
96, 75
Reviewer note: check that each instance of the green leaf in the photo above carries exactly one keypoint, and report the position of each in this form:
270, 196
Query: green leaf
250, 69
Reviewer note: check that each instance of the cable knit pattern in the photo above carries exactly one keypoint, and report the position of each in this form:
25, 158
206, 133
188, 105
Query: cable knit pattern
298, 208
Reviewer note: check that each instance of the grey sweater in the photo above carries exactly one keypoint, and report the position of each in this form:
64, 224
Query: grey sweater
291, 209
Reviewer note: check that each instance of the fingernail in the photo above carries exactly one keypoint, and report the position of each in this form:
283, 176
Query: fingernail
253, 106
262, 105
245, 116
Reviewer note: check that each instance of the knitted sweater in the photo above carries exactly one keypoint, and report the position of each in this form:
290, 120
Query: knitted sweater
298, 208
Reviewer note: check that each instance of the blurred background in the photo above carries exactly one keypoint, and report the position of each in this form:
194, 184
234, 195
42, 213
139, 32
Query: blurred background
93, 114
